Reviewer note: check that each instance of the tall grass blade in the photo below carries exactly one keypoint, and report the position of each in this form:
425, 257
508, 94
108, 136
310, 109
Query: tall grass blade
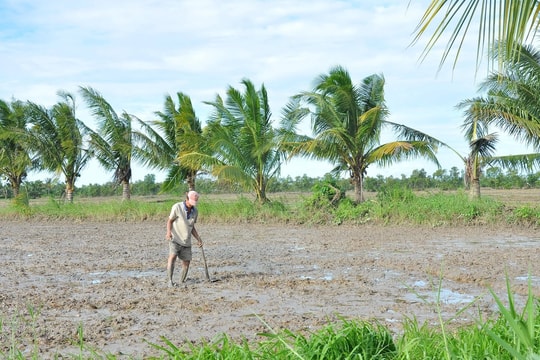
172, 350
279, 338
522, 325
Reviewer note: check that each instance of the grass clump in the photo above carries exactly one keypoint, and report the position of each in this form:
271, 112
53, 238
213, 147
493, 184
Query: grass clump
326, 205
439, 209
242, 209
527, 215
105, 209
348, 340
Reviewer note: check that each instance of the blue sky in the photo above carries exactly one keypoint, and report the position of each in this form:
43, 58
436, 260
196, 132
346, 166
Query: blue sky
136, 52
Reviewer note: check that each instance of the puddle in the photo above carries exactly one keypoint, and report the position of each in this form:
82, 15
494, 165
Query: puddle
499, 241
535, 280
443, 296
125, 273
96, 277
93, 278
326, 277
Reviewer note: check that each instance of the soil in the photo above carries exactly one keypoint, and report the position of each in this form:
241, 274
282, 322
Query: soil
109, 279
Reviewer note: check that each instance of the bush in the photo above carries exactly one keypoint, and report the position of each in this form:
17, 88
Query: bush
325, 193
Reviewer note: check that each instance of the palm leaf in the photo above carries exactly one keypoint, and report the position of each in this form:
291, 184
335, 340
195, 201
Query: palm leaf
514, 21
524, 162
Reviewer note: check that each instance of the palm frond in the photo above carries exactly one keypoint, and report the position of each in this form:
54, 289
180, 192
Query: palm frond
523, 162
151, 148
513, 21
484, 146
512, 103
396, 151
99, 107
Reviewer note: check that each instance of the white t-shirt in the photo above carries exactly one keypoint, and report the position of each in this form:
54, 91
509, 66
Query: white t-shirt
184, 220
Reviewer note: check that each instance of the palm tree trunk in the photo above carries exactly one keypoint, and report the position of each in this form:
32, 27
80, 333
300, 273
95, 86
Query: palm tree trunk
261, 196
474, 191
15, 186
69, 191
126, 191
261, 189
358, 183
15, 189
190, 179
474, 177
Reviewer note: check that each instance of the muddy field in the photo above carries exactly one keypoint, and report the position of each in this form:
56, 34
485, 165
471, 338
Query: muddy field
111, 279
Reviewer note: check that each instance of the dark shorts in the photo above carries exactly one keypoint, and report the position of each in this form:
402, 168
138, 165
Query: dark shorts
183, 252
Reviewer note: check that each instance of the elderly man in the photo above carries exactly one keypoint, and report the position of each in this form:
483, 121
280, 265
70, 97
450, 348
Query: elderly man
180, 229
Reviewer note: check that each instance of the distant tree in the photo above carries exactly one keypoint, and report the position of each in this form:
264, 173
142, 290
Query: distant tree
147, 186
59, 137
533, 180
5, 190
347, 121
455, 176
482, 146
17, 156
113, 143
419, 180
440, 175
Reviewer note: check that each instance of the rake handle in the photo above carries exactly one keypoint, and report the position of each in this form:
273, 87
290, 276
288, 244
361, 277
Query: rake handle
205, 265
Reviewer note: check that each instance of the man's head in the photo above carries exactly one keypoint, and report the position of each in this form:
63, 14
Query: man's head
193, 198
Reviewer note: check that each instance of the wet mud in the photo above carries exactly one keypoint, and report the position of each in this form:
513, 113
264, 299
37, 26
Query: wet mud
109, 279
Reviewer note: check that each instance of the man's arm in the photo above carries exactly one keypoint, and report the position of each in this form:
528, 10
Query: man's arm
168, 236
196, 235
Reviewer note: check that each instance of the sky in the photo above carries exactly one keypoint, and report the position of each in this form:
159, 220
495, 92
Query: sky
136, 52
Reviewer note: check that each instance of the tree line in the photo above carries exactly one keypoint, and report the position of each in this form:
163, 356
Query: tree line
241, 145
419, 179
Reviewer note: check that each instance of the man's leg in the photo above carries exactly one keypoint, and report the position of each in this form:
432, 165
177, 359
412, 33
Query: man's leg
185, 268
170, 268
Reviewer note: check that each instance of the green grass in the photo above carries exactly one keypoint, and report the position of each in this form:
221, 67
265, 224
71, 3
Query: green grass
398, 207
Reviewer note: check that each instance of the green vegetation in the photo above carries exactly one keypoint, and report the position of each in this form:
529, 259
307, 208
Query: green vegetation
512, 23
347, 122
240, 146
347, 340
440, 180
330, 201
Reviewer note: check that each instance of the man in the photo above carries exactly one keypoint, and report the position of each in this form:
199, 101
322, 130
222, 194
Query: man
180, 229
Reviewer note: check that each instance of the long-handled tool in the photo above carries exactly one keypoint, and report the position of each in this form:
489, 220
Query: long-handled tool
205, 265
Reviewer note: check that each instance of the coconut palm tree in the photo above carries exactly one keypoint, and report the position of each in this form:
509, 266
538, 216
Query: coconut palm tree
243, 145
481, 144
17, 157
164, 141
346, 122
59, 139
513, 96
512, 104
113, 142
512, 22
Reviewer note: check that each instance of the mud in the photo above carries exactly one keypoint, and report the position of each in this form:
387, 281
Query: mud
109, 279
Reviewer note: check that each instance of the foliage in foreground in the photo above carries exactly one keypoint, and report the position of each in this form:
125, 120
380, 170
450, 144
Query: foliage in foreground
511, 335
